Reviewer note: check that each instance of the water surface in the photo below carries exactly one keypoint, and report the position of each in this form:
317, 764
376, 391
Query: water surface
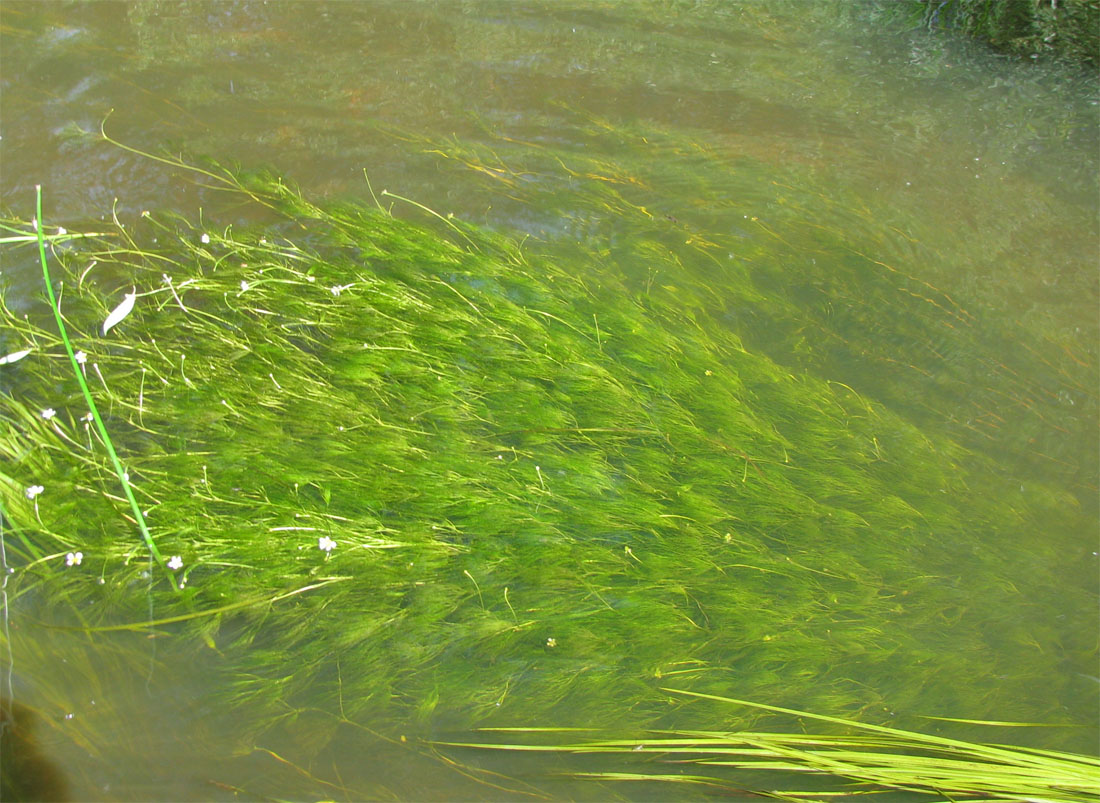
899, 218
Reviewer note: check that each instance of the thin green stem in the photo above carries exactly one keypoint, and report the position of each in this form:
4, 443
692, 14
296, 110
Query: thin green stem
446, 220
122, 476
57, 238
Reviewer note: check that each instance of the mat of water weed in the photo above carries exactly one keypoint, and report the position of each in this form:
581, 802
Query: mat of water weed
417, 474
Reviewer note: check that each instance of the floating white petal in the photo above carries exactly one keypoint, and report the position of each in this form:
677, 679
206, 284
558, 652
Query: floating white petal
15, 356
119, 313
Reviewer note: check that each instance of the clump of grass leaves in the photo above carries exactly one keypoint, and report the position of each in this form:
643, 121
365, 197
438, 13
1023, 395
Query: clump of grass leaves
873, 759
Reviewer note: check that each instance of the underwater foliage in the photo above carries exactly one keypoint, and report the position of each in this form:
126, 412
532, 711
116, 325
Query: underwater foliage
871, 759
421, 475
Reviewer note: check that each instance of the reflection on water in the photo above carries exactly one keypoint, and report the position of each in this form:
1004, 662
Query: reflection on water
859, 203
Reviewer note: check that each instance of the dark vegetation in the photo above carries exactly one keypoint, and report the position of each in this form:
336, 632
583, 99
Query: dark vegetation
1066, 29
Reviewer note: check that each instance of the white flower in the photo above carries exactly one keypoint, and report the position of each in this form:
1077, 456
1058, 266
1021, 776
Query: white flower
175, 562
61, 230
551, 642
339, 288
74, 558
81, 357
49, 413
244, 285
205, 238
326, 544
34, 491
87, 417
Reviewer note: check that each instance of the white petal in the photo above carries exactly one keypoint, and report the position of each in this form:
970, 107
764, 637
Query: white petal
15, 356
119, 313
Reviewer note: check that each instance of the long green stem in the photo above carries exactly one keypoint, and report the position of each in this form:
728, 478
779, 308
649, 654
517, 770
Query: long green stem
122, 476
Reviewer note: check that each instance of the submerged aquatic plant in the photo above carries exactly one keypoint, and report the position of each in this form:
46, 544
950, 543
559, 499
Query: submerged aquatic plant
115, 317
433, 477
873, 760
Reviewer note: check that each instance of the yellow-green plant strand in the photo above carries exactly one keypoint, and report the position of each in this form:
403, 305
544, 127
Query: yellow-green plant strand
169, 620
138, 516
895, 759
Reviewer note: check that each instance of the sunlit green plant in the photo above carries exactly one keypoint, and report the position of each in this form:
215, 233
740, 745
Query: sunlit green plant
418, 472
116, 316
875, 759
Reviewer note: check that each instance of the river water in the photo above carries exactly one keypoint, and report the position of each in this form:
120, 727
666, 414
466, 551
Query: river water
790, 132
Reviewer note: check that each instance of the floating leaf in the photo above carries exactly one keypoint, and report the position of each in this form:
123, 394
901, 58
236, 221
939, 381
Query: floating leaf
15, 356
119, 313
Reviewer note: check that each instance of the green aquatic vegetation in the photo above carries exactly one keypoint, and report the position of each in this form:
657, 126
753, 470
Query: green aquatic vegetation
118, 314
421, 475
803, 271
872, 760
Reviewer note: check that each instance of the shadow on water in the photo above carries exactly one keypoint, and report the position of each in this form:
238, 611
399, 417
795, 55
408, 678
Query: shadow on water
26, 770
